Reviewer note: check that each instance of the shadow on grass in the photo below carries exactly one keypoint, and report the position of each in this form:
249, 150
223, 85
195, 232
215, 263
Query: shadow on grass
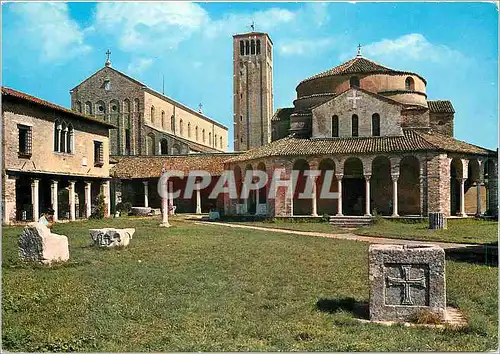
486, 254
358, 309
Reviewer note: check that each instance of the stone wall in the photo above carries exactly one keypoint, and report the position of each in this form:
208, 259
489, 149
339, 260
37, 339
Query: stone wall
442, 123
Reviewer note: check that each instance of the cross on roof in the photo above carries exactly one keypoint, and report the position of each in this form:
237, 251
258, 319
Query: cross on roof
108, 53
359, 50
252, 26
406, 282
354, 98
200, 106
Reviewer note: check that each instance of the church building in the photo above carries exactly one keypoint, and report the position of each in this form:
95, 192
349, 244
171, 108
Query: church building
391, 149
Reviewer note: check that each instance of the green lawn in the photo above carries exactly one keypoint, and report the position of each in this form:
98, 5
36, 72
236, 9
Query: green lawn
212, 288
459, 230
297, 226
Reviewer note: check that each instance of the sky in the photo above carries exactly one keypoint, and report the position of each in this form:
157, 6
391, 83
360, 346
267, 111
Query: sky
48, 48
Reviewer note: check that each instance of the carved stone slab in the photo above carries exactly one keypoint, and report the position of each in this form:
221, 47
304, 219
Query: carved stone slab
110, 237
38, 244
140, 211
405, 279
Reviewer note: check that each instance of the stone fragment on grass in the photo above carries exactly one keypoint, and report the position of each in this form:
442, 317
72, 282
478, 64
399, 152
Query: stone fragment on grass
406, 279
140, 211
111, 237
38, 244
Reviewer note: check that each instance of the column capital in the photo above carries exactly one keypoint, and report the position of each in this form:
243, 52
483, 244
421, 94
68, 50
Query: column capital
339, 175
35, 180
394, 177
88, 183
54, 181
145, 182
368, 176
72, 181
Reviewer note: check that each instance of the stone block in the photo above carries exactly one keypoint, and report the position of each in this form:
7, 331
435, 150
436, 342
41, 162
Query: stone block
405, 279
38, 244
110, 237
140, 211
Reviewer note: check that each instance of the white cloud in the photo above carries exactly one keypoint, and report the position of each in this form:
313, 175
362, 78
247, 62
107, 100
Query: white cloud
50, 27
304, 47
412, 46
138, 65
148, 25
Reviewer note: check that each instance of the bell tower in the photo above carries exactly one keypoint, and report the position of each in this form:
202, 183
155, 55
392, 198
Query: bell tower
252, 89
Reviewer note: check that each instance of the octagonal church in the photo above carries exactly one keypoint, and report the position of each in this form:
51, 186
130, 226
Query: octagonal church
391, 149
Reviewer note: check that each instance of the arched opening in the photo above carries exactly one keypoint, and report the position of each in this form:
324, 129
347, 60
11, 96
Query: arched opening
150, 144
409, 186
163, 120
210, 138
353, 187
354, 125
88, 108
189, 129
163, 147
70, 139
301, 206
381, 186
327, 181
252, 46
203, 135
247, 47
181, 127
172, 124
409, 84
242, 48
475, 194
176, 150
64, 137
114, 111
456, 174
252, 195
335, 126
354, 82
57, 135
258, 46
78, 106
376, 124
491, 183
196, 133
153, 115
220, 142
262, 193
238, 182
126, 105
136, 105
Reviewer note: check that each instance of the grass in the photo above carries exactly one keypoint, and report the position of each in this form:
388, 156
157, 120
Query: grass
297, 226
459, 231
211, 288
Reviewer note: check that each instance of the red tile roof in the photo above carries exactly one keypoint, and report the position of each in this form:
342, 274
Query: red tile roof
23, 96
440, 106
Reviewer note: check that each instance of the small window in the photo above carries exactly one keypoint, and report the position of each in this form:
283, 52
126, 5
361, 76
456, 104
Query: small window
354, 125
181, 127
153, 114
189, 129
409, 84
376, 124
335, 126
107, 85
241, 118
196, 133
25, 140
163, 121
354, 81
209, 138
242, 48
221, 142
172, 124
203, 135
98, 154
88, 107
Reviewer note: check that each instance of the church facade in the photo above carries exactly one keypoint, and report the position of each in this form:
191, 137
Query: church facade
148, 122
391, 151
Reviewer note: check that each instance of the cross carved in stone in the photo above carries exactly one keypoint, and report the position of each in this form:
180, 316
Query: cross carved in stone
406, 282
354, 98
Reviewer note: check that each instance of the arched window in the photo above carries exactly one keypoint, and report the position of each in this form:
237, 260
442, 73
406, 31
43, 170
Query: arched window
136, 105
355, 125
78, 106
409, 84
57, 135
196, 133
70, 139
172, 124
252, 47
114, 110
189, 129
100, 108
163, 121
354, 81
209, 138
375, 124
221, 142
64, 137
88, 107
242, 48
163, 147
335, 126
258, 46
215, 140
126, 105
150, 144
153, 114
247, 47
181, 127
203, 135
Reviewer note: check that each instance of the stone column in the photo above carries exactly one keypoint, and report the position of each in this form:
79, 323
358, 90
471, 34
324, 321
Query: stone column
462, 197
107, 199
478, 203
88, 199
395, 195
146, 195
339, 190
53, 199
367, 196
314, 201
34, 198
198, 201
72, 215
244, 192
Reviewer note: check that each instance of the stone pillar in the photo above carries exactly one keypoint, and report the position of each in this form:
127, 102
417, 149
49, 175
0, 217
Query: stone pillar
314, 200
72, 215
462, 197
34, 198
367, 195
53, 198
88, 199
146, 194
107, 199
395, 195
339, 190
198, 201
244, 192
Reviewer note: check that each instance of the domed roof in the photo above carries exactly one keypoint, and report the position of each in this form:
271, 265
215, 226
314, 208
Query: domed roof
360, 65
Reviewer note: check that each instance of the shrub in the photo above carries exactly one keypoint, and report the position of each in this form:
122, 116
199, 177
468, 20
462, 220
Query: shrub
425, 317
124, 207
98, 212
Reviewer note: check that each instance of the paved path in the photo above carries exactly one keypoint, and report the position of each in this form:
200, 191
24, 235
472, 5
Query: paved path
346, 236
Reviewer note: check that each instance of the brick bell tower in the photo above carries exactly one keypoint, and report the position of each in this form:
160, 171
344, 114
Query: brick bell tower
252, 89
